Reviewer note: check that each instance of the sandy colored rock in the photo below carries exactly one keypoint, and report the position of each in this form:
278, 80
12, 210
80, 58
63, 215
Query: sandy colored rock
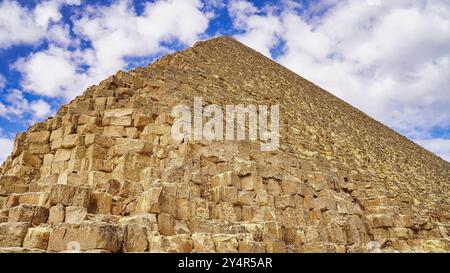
35, 215
13, 234
37, 238
105, 175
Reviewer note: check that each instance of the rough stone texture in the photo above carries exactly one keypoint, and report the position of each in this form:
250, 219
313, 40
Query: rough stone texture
104, 175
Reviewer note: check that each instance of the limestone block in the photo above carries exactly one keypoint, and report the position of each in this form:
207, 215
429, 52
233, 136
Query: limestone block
276, 247
146, 220
12, 184
75, 179
101, 203
69, 195
85, 119
39, 149
71, 141
96, 152
225, 243
166, 224
118, 121
380, 220
62, 155
246, 198
13, 234
56, 215
34, 198
149, 201
38, 137
135, 238
28, 159
35, 215
289, 185
142, 120
248, 246
251, 182
88, 129
75, 214
118, 112
101, 140
226, 179
89, 236
172, 244
125, 146
37, 237
203, 242
114, 131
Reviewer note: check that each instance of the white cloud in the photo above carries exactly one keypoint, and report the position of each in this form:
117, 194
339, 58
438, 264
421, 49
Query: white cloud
7, 146
40, 108
54, 72
115, 32
439, 146
17, 106
390, 60
19, 25
260, 32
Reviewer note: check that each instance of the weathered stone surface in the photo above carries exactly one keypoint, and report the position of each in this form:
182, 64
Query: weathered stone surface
35, 215
12, 184
90, 236
135, 238
105, 174
12, 234
56, 215
149, 201
75, 215
37, 238
69, 195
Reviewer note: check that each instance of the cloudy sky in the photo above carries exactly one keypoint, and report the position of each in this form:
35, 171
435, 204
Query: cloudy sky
389, 58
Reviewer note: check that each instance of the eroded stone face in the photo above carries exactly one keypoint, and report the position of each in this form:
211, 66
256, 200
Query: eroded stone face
105, 175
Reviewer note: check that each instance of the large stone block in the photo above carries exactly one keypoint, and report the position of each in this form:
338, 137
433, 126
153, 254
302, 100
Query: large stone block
101, 203
75, 214
166, 224
35, 215
13, 234
125, 146
135, 238
226, 179
56, 215
225, 243
12, 184
69, 195
38, 137
380, 220
89, 236
203, 242
149, 201
37, 238
34, 198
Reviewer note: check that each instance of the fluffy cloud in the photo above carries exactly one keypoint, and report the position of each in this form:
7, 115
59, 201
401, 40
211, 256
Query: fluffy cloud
54, 72
16, 106
260, 28
115, 33
19, 25
391, 60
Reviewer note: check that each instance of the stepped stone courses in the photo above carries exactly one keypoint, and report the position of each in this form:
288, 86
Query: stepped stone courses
104, 172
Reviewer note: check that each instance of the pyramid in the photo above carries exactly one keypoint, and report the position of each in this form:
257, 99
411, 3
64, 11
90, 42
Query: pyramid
105, 175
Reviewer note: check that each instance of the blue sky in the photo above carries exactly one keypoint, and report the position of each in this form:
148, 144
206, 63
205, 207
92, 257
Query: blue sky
391, 59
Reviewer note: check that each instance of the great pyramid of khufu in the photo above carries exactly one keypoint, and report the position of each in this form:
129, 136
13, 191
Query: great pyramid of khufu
106, 175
